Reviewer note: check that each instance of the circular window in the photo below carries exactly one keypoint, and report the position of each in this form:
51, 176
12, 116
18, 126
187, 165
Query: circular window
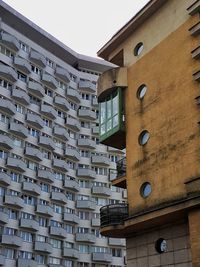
144, 137
138, 49
145, 190
141, 91
161, 245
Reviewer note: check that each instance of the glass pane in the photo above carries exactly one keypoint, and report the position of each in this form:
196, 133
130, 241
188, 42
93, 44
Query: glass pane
109, 113
115, 120
109, 125
103, 129
115, 105
103, 112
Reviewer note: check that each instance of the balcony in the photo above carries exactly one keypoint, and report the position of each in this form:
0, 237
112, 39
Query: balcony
62, 74
116, 242
34, 120
119, 179
22, 65
14, 201
3, 217
2, 260
73, 124
48, 111
101, 160
196, 76
72, 185
85, 204
95, 102
85, 237
45, 210
95, 130
29, 224
60, 165
4, 179
11, 240
86, 143
16, 164
194, 8
71, 217
100, 190
195, 29
101, 257
72, 154
7, 106
6, 142
59, 197
21, 96
73, 95
112, 215
37, 58
87, 114
88, 86
49, 80
196, 53
33, 153
192, 186
10, 41
43, 247
26, 263
58, 232
18, 129
61, 133
86, 173
36, 89
45, 175
31, 188
8, 73
95, 222
62, 103
70, 253
46, 142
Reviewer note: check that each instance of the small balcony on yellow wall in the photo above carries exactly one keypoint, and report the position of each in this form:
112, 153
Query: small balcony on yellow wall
111, 85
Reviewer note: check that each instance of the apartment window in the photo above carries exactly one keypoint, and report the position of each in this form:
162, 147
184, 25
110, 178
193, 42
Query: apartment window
55, 223
116, 252
100, 249
41, 238
32, 165
70, 196
82, 197
49, 63
44, 187
82, 230
35, 69
84, 215
46, 154
69, 245
53, 260
29, 200
24, 47
25, 255
59, 176
85, 124
2, 191
69, 229
9, 253
34, 100
47, 122
84, 184
13, 214
58, 143
101, 201
85, 153
13, 193
5, 84
83, 249
17, 142
43, 222
26, 236
85, 96
33, 132
62, 85
48, 92
6, 52
22, 77
68, 263
28, 216
4, 118
15, 177
56, 243
83, 264
57, 208
3, 154
40, 259
20, 108
71, 165
101, 171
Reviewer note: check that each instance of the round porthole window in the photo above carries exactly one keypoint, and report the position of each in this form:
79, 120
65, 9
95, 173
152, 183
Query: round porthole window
145, 190
138, 49
144, 137
161, 245
141, 91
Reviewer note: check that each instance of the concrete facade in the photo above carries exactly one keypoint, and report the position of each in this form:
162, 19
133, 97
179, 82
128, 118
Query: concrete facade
54, 175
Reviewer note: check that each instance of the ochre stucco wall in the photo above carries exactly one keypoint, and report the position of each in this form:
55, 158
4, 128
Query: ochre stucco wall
169, 112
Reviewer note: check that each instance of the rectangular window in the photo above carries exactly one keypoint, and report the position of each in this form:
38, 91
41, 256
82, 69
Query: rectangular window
22, 77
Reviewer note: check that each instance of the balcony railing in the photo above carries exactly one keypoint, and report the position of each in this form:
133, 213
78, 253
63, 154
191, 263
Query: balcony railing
113, 214
121, 167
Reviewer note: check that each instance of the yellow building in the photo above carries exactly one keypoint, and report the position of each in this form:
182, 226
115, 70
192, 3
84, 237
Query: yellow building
150, 106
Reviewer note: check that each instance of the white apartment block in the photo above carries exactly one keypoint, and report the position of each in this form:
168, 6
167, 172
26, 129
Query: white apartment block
54, 174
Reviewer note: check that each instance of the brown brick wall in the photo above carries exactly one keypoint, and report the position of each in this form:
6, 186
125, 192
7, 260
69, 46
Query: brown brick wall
141, 249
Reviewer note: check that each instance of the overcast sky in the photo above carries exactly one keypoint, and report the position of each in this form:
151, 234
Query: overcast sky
83, 25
